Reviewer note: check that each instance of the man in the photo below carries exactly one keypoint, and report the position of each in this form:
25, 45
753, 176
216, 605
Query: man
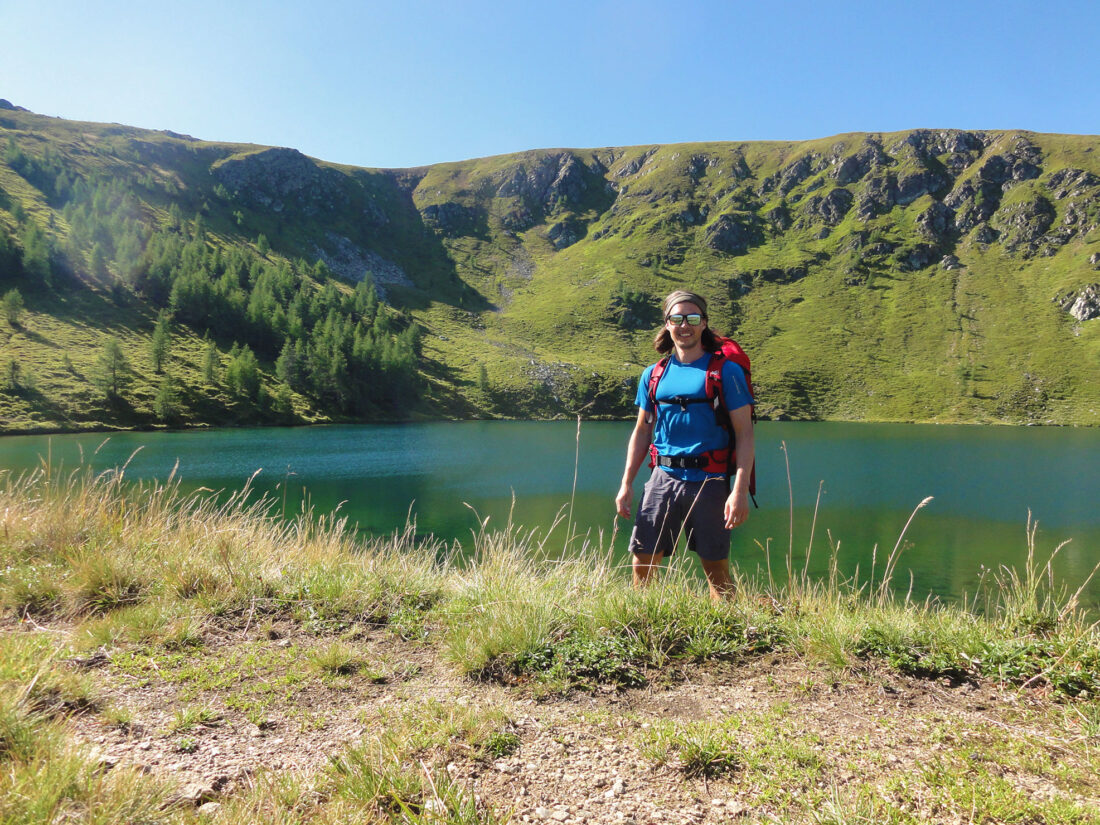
685, 493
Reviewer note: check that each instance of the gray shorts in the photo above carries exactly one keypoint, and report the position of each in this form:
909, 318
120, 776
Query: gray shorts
670, 506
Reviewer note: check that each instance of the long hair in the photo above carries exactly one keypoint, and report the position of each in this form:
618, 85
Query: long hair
663, 340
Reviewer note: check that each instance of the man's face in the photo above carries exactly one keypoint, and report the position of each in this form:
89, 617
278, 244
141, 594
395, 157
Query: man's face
684, 334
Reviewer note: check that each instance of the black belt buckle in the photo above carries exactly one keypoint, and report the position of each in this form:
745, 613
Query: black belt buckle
682, 462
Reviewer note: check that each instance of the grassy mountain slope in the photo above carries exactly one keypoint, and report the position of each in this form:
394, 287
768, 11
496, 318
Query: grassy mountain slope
923, 275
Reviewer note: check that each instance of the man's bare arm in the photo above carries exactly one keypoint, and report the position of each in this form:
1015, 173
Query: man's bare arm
636, 452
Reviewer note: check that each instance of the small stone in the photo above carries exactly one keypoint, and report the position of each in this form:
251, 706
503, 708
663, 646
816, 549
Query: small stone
209, 808
195, 793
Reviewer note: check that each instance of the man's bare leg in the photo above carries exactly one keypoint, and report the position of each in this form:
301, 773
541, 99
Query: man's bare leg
719, 579
646, 566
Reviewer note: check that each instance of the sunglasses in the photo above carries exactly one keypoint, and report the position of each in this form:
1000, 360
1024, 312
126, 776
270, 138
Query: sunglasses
693, 320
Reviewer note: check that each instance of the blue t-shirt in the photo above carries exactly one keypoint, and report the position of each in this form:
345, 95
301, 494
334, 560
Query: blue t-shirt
691, 429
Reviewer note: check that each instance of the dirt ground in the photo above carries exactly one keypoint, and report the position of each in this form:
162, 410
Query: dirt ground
580, 758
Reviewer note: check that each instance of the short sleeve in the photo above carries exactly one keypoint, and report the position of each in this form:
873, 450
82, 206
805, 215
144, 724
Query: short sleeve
641, 399
735, 388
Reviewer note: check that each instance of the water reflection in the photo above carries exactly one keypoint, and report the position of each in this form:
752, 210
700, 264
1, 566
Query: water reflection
449, 476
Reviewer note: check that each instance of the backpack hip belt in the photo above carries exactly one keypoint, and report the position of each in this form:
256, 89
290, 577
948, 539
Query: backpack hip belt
716, 462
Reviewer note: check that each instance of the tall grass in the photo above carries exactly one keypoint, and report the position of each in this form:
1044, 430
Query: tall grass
146, 561
116, 563
85, 544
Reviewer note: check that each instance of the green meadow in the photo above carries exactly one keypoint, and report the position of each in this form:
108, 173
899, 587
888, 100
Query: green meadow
915, 276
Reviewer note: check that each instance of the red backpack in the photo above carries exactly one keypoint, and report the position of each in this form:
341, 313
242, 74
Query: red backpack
722, 460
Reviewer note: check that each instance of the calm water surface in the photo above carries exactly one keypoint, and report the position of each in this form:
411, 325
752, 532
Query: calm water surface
447, 475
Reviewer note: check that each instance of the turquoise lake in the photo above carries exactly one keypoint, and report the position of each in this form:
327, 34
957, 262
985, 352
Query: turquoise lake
448, 475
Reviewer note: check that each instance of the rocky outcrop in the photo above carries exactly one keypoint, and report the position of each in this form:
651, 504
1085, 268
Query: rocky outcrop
918, 256
1023, 224
918, 184
1082, 304
1071, 183
565, 233
635, 166
779, 218
936, 222
451, 219
698, 165
353, 263
977, 199
969, 210
732, 234
831, 208
546, 185
877, 198
282, 179
985, 234
869, 245
569, 185
691, 215
792, 175
517, 219
928, 143
856, 167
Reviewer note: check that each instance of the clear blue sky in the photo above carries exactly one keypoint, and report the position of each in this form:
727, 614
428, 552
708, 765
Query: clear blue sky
410, 82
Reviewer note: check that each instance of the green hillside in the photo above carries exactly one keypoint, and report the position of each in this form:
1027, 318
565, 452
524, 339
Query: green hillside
916, 276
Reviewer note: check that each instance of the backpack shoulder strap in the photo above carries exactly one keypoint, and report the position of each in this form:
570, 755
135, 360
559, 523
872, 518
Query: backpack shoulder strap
654, 379
714, 379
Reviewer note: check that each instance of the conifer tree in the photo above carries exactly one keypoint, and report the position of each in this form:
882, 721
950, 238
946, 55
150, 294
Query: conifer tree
166, 401
112, 367
97, 262
242, 374
12, 304
160, 344
11, 262
211, 364
36, 254
11, 374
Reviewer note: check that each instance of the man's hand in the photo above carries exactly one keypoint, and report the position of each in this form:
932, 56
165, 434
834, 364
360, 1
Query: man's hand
623, 500
736, 509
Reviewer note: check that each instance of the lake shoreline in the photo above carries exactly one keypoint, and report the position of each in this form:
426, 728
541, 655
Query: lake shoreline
201, 427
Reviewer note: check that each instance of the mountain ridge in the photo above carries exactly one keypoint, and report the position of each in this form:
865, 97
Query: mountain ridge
922, 275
